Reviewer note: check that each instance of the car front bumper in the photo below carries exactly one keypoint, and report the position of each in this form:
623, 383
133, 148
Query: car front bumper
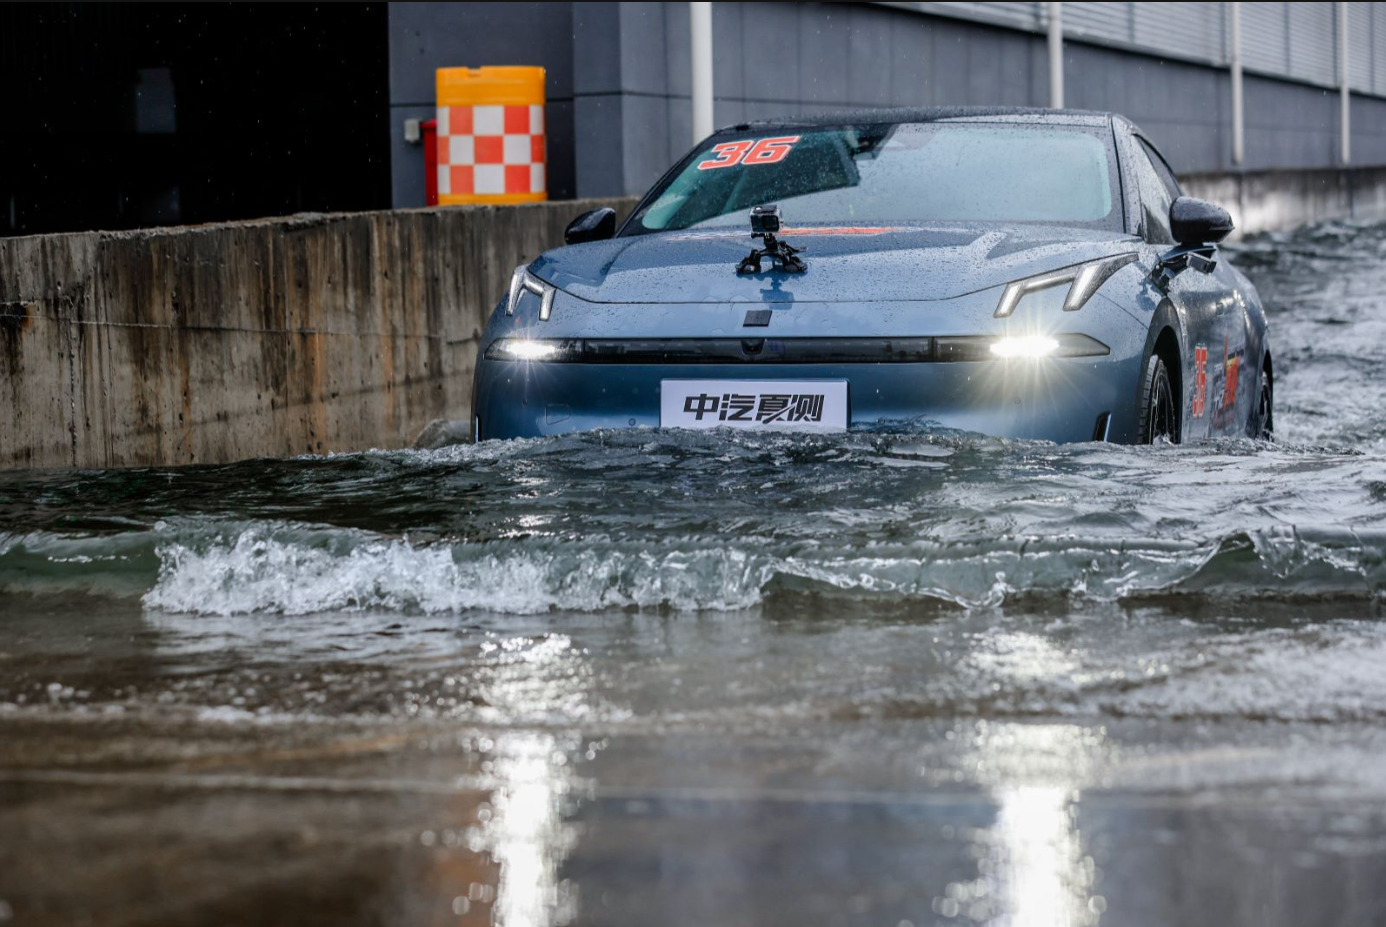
1062, 400
1056, 398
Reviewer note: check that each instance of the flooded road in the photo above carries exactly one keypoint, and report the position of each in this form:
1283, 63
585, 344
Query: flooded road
632, 678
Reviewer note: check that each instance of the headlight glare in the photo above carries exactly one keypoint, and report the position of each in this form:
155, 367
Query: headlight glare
1083, 281
1024, 346
526, 349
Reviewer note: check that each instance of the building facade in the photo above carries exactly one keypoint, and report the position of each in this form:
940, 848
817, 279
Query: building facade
122, 115
619, 74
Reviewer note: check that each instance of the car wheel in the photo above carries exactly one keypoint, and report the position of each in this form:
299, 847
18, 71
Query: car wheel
1159, 412
1263, 422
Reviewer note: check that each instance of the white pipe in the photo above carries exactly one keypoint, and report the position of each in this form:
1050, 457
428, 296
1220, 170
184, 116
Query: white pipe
700, 32
1056, 55
1345, 119
1234, 28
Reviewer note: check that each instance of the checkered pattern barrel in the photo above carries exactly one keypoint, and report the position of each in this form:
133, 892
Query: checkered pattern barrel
491, 135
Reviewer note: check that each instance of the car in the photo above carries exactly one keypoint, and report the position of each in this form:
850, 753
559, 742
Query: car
1019, 273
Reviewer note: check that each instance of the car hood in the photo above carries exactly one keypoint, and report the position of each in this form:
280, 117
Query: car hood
844, 264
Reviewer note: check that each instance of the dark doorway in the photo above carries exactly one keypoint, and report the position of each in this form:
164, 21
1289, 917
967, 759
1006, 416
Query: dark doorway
123, 115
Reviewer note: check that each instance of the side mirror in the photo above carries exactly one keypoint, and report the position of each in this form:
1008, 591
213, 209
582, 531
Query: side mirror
1198, 222
597, 225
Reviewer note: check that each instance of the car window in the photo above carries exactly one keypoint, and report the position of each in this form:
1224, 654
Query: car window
889, 173
1155, 198
1162, 169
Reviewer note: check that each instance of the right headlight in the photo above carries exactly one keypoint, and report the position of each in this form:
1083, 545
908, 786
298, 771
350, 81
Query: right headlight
523, 280
1083, 280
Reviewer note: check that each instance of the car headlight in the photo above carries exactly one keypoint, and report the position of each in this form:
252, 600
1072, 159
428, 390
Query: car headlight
1082, 280
523, 280
531, 349
1018, 347
1024, 346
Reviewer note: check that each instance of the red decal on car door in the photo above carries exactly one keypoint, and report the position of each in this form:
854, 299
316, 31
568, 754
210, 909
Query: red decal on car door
1229, 390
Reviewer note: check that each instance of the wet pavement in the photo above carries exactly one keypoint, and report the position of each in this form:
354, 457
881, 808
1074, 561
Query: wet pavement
629, 678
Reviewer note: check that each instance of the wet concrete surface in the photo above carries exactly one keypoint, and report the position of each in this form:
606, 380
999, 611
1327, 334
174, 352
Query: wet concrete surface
632, 679
1069, 767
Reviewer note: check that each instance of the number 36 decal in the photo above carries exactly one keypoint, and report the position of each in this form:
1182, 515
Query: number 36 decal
750, 151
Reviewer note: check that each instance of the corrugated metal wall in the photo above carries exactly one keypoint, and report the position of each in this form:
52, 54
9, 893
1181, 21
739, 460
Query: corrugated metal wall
1019, 15
1194, 31
1292, 40
1361, 45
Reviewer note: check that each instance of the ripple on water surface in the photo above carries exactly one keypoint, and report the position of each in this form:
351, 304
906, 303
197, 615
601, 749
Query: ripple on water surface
686, 522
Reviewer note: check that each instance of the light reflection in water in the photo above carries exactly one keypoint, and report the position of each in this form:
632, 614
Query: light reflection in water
1042, 876
1032, 868
527, 836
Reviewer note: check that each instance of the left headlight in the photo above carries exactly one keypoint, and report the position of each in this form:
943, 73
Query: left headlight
523, 280
531, 349
1082, 280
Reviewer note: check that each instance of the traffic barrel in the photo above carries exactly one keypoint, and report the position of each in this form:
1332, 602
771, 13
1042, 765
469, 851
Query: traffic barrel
490, 140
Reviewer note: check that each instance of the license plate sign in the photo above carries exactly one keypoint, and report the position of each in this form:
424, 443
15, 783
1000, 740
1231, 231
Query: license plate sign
757, 405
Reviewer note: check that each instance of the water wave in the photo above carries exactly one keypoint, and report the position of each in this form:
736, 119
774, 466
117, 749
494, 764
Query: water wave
224, 569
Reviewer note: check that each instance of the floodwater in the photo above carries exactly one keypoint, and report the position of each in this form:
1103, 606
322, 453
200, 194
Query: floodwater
642, 679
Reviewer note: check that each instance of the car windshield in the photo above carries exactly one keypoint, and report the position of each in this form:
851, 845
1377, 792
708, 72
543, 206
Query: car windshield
894, 173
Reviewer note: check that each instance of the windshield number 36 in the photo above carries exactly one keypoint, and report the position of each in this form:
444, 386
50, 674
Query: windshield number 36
750, 151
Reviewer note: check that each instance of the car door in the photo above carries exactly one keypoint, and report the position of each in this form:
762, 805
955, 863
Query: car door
1214, 324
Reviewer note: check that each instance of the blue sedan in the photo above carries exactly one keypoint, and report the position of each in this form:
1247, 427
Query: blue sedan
1017, 273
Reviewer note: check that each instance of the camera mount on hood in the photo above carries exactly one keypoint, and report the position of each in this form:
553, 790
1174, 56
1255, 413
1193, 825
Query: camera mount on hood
765, 223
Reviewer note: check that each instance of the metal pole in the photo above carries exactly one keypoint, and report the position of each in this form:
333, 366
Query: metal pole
700, 32
1345, 118
1056, 55
1234, 29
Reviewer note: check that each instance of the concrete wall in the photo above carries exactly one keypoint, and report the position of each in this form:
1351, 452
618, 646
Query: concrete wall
1268, 200
625, 78
276, 337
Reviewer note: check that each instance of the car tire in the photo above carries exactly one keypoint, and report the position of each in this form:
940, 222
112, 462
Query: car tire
1263, 417
1159, 411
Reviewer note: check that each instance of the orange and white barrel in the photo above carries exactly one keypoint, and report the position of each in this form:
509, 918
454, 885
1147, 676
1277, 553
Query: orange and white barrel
491, 135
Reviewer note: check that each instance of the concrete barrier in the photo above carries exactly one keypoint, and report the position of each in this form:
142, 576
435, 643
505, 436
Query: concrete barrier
1262, 201
308, 334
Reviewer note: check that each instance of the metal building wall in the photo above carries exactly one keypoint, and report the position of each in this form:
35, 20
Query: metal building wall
427, 36
1162, 64
1294, 40
774, 59
1368, 121
1188, 31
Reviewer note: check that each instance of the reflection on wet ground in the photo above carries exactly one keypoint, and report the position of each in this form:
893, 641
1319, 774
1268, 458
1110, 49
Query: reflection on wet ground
636, 679
1137, 764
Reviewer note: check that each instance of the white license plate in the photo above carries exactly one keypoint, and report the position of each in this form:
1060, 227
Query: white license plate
770, 405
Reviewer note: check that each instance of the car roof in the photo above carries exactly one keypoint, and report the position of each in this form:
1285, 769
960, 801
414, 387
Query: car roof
932, 114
